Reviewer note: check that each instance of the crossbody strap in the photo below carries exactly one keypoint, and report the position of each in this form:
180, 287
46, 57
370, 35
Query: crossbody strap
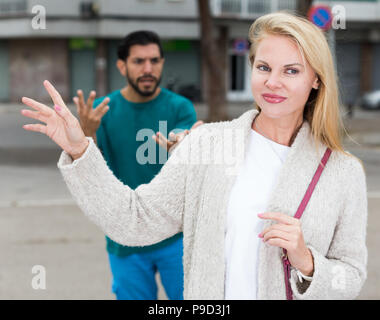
298, 214
312, 184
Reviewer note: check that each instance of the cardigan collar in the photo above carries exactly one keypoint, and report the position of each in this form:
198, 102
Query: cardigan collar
246, 119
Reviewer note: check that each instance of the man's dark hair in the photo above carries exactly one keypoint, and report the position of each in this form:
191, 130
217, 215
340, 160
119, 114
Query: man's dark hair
138, 37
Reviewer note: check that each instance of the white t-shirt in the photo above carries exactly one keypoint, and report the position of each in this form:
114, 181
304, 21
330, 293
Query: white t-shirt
249, 196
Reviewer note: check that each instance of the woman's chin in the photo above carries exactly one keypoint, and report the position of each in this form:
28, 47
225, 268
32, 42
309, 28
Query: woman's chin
274, 112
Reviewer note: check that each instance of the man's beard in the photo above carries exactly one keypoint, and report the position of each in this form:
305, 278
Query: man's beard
134, 85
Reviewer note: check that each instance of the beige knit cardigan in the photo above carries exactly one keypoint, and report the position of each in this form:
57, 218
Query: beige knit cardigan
191, 193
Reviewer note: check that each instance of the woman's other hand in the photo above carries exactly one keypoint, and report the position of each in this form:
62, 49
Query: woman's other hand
287, 234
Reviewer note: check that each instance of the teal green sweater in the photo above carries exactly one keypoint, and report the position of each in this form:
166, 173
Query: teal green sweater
125, 139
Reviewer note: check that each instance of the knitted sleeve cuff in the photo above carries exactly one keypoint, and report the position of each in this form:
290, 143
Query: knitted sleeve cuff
302, 277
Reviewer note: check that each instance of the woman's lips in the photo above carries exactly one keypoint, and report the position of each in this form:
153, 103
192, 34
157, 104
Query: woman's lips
272, 98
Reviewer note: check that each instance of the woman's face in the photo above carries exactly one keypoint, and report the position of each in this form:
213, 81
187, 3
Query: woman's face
281, 80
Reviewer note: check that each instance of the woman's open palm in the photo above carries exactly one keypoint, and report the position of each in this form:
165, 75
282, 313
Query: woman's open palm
60, 125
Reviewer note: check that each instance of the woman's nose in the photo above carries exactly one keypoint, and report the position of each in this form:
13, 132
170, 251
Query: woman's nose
273, 82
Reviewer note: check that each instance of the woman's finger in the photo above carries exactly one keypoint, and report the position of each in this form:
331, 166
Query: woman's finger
279, 217
278, 234
279, 226
66, 115
33, 115
60, 106
45, 110
281, 243
35, 127
54, 94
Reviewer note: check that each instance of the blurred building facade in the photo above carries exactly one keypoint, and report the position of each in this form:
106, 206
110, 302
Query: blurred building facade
357, 48
75, 47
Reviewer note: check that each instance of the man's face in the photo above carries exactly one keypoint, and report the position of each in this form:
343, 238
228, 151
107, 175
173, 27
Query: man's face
143, 68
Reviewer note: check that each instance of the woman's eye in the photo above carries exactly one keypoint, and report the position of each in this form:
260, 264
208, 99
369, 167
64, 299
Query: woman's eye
263, 68
291, 71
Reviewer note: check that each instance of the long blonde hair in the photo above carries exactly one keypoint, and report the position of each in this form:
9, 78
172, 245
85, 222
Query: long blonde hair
322, 108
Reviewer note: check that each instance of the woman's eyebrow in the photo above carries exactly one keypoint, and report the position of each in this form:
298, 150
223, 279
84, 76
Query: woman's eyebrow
287, 65
293, 64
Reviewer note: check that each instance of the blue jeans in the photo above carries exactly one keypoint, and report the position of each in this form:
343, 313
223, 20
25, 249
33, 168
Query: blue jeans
134, 275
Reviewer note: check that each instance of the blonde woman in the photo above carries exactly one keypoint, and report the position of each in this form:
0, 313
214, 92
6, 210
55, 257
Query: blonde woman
238, 216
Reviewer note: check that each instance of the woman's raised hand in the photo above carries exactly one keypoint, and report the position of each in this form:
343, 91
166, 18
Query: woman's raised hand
60, 125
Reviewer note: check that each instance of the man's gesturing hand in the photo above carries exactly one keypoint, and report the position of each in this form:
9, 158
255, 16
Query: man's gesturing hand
175, 139
60, 124
90, 118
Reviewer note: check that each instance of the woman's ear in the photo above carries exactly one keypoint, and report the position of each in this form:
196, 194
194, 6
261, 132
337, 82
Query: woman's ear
120, 64
316, 83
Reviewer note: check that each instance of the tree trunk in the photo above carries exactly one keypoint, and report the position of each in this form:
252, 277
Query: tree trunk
214, 64
303, 7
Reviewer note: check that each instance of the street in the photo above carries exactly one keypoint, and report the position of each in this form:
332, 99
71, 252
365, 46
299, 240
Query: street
40, 225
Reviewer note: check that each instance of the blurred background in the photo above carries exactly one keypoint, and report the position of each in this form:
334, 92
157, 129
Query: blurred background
73, 44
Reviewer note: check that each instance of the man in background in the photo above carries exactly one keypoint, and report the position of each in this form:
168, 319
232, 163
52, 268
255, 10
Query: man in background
123, 123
